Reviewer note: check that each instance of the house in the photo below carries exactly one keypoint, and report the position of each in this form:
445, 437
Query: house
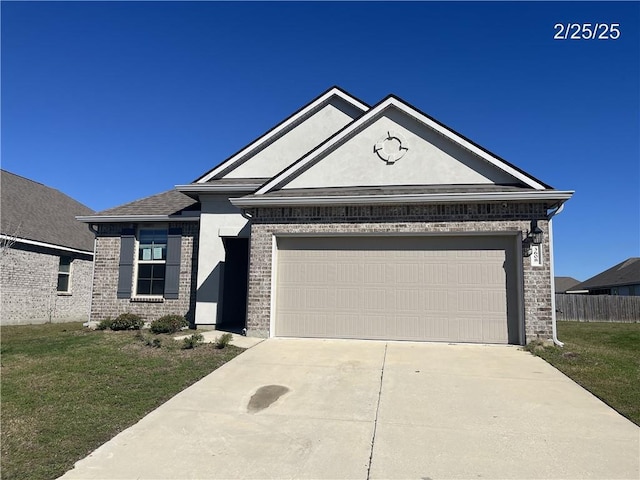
622, 279
345, 221
46, 255
563, 284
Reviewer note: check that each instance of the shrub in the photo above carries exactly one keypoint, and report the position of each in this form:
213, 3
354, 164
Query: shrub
127, 321
104, 324
223, 340
192, 341
169, 324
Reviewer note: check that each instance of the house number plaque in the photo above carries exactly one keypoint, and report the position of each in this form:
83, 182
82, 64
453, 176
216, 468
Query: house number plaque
536, 256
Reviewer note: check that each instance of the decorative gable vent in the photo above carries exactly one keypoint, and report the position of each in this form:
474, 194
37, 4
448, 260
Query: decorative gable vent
391, 148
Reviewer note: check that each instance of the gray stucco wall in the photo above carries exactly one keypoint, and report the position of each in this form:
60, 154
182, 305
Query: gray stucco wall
418, 219
431, 159
104, 302
28, 287
219, 218
286, 149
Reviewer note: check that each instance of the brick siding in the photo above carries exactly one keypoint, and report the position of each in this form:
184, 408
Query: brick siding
29, 281
402, 219
104, 302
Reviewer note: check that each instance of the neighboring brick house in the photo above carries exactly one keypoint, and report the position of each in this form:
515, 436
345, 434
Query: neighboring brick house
343, 221
46, 257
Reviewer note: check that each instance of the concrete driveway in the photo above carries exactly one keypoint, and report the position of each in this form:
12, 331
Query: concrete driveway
366, 409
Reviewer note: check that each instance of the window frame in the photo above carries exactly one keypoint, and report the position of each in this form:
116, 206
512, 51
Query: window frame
137, 262
68, 274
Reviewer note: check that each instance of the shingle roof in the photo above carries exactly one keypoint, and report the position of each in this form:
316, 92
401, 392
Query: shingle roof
33, 211
624, 273
565, 283
170, 202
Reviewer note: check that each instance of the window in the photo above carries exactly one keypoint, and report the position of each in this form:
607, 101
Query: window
152, 259
64, 274
149, 266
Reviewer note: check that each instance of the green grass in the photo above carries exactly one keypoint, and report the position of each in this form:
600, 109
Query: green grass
67, 390
602, 357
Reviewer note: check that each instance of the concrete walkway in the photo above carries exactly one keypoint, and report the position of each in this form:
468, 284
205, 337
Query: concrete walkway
210, 336
344, 409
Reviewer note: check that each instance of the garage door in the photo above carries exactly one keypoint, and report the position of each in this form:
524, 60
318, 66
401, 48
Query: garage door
456, 289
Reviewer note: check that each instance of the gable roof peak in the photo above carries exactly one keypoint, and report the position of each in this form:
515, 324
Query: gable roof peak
232, 162
377, 111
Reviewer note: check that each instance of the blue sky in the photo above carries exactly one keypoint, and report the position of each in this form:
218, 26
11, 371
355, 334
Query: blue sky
113, 101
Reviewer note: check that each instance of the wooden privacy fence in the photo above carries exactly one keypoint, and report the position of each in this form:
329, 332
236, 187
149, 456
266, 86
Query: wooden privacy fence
597, 308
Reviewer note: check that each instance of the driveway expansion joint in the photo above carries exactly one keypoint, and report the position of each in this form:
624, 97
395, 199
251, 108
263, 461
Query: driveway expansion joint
375, 421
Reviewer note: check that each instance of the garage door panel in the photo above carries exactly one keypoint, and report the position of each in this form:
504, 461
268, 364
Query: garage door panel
291, 299
437, 328
492, 328
470, 274
435, 273
469, 327
370, 325
408, 288
435, 301
377, 299
496, 303
411, 324
292, 273
348, 299
409, 300
317, 298
469, 301
350, 326
410, 273
349, 273
376, 273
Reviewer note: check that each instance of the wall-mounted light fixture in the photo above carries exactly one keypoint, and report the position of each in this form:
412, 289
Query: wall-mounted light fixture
532, 237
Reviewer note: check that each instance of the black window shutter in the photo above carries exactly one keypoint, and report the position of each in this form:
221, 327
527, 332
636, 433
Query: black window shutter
125, 274
172, 272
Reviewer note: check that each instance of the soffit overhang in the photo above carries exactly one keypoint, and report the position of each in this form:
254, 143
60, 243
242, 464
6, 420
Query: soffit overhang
553, 197
194, 190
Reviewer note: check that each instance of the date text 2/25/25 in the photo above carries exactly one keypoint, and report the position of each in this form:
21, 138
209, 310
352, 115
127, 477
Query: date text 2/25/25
587, 31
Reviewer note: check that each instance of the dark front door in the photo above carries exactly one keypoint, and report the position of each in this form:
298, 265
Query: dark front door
234, 291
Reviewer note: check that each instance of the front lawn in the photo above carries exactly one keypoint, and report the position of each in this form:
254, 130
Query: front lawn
604, 358
67, 390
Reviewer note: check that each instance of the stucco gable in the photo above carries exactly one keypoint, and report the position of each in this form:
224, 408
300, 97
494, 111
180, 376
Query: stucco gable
291, 139
395, 144
395, 149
